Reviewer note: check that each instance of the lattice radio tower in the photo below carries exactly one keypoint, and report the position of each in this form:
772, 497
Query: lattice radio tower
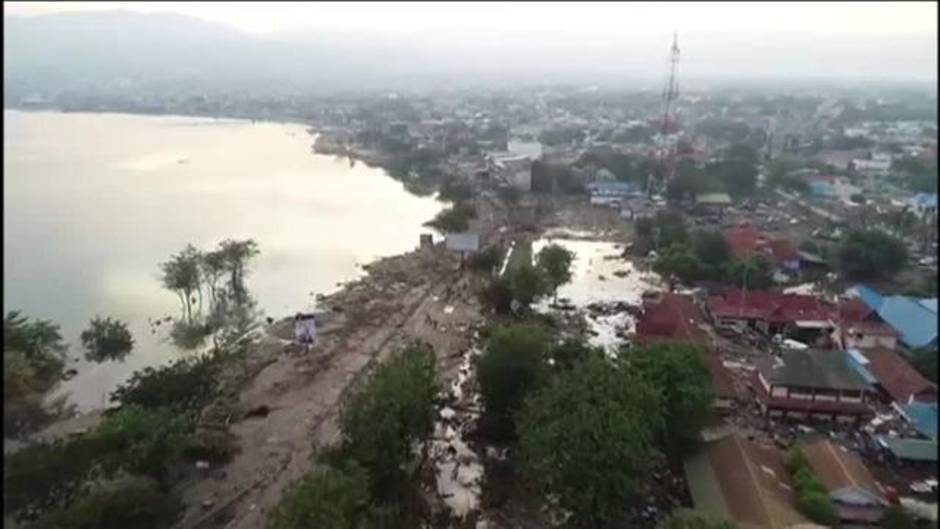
670, 95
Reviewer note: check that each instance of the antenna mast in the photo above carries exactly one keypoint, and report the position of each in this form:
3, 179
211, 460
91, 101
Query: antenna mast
670, 95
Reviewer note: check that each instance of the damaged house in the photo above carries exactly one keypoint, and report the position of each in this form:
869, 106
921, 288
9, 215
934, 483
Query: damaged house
811, 383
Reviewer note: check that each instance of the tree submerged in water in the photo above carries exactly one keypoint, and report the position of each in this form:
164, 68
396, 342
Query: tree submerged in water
106, 339
232, 314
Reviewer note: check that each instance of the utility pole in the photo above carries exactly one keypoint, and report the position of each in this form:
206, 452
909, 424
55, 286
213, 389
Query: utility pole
670, 95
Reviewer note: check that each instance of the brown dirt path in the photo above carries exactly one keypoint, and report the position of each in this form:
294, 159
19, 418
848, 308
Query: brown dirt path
305, 393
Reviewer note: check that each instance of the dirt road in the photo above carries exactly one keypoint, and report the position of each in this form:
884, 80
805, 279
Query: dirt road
304, 393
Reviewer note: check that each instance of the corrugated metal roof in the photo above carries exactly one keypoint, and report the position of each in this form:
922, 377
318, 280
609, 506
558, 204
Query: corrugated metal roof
910, 449
916, 324
914, 319
813, 369
923, 417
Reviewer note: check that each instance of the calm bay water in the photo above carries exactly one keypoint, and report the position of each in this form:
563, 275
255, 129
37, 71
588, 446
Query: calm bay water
93, 202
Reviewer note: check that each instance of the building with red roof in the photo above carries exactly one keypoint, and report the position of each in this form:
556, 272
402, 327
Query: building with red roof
672, 317
897, 378
800, 315
747, 241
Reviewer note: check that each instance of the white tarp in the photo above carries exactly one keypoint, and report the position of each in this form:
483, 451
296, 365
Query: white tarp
462, 242
305, 329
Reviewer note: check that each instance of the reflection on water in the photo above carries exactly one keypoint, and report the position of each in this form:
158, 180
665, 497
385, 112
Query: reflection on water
93, 202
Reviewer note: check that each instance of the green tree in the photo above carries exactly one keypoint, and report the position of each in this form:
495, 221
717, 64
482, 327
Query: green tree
389, 411
186, 384
485, 260
326, 497
213, 268
497, 295
679, 373
513, 360
554, 262
567, 354
688, 519
678, 263
689, 180
182, 274
588, 437
456, 190
812, 498
742, 152
712, 250
33, 355
526, 283
738, 177
870, 254
124, 503
817, 506
235, 255
106, 339
755, 273
455, 219
662, 230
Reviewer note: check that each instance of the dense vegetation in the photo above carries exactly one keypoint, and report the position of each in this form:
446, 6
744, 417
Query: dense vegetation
33, 362
455, 219
587, 426
366, 480
153, 427
678, 371
118, 474
106, 339
513, 360
588, 437
812, 498
702, 256
870, 254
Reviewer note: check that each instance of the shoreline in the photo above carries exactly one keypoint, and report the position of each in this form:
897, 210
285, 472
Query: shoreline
360, 273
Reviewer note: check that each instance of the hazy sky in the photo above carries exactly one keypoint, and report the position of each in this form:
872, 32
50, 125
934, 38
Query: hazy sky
819, 18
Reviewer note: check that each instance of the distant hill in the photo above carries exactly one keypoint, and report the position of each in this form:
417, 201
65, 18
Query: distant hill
121, 50
139, 54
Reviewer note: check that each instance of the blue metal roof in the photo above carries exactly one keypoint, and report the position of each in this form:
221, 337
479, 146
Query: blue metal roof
914, 319
916, 323
923, 417
858, 362
868, 295
930, 303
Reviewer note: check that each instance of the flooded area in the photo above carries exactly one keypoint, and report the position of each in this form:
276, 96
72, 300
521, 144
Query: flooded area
600, 277
94, 202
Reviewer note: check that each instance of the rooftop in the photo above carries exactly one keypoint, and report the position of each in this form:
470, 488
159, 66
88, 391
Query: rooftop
812, 368
673, 317
839, 469
743, 481
714, 199
923, 417
898, 378
914, 319
910, 449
